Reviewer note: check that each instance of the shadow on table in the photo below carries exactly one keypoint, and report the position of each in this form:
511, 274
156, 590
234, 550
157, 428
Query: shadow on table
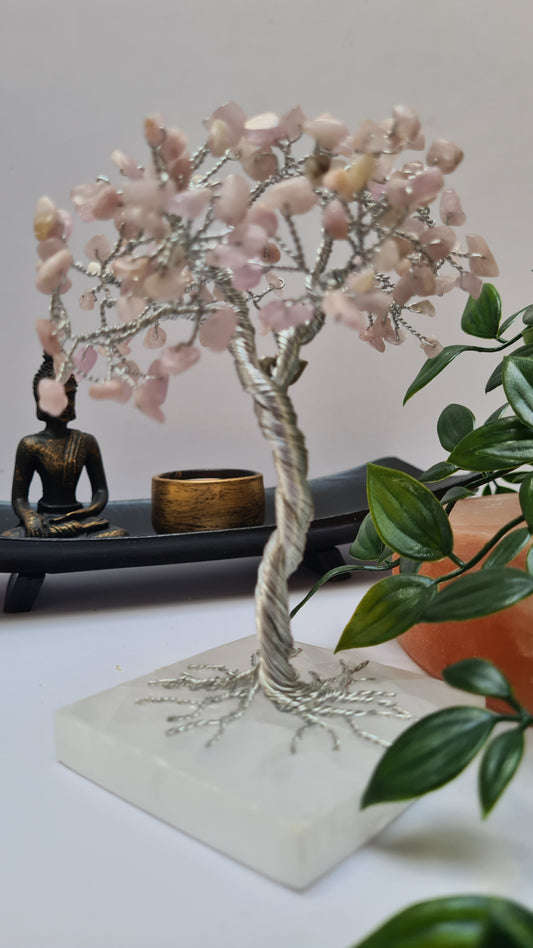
446, 843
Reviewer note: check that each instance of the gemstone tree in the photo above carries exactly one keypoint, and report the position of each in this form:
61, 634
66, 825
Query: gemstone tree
206, 239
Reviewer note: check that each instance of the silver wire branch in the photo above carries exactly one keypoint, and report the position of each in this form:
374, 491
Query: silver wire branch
284, 550
59, 314
284, 247
322, 257
315, 703
411, 329
198, 157
209, 174
300, 259
288, 169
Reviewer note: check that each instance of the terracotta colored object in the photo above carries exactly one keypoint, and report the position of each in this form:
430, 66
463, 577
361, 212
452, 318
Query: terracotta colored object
186, 501
506, 638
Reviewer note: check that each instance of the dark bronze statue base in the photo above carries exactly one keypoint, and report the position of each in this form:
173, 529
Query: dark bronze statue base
89, 530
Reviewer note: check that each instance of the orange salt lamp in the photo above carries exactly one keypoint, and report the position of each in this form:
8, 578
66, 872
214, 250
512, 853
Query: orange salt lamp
506, 637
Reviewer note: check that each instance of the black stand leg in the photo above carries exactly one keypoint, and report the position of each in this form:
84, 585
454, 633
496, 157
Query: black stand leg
321, 561
22, 591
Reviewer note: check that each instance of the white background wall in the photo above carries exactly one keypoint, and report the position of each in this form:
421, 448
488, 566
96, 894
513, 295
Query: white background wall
77, 79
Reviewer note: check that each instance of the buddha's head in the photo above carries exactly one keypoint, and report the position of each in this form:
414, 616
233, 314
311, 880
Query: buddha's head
47, 371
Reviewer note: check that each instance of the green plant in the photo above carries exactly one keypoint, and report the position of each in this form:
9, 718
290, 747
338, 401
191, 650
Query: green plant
458, 921
407, 526
437, 748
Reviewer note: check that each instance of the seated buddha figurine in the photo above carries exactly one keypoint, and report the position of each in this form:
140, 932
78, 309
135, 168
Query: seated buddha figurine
59, 454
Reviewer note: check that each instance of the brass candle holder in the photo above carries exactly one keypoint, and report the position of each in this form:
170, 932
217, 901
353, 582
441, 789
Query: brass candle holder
221, 499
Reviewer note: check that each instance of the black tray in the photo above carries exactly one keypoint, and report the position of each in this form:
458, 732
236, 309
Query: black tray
340, 506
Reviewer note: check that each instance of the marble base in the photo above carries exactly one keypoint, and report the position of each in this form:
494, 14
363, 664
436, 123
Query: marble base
289, 816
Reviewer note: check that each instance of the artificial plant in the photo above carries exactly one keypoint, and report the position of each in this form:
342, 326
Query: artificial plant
407, 526
456, 921
213, 241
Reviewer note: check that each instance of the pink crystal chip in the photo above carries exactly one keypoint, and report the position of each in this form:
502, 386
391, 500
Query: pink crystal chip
326, 130
295, 196
126, 165
166, 285
98, 248
263, 129
47, 333
437, 242
225, 127
116, 389
151, 394
445, 154
258, 162
217, 330
232, 202
483, 263
189, 204
177, 359
87, 300
470, 283
52, 272
335, 221
52, 397
154, 129
129, 307
432, 347
155, 338
339, 306
451, 211
86, 359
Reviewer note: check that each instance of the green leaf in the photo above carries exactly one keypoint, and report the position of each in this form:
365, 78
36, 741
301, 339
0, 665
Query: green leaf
389, 608
525, 495
527, 315
433, 367
407, 516
331, 574
481, 317
367, 545
517, 376
500, 444
457, 921
516, 477
495, 378
478, 594
498, 766
386, 555
409, 566
497, 413
429, 754
454, 423
527, 335
509, 546
456, 493
438, 472
529, 561
479, 677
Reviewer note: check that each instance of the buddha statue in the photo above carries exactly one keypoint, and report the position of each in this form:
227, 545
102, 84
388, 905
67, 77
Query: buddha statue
59, 454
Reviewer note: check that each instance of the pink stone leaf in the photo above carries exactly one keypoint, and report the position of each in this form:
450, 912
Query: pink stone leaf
52, 397
217, 330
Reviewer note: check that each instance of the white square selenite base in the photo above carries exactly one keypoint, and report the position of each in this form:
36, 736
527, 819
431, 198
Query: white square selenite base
289, 816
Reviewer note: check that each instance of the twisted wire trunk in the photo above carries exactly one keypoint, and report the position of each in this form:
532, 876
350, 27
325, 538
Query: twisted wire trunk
294, 507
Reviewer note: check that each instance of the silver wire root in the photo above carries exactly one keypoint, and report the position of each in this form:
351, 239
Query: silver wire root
314, 702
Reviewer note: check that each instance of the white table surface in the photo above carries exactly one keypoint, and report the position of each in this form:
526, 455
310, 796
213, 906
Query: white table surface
79, 868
